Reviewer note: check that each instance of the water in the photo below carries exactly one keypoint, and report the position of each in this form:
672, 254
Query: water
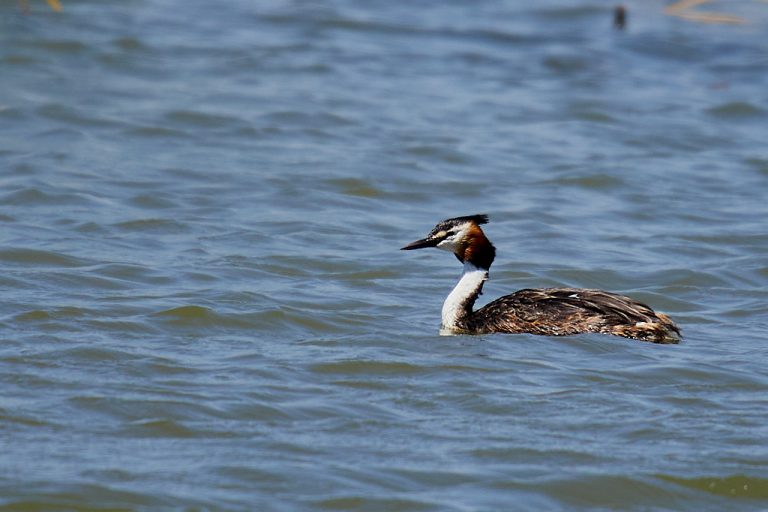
204, 305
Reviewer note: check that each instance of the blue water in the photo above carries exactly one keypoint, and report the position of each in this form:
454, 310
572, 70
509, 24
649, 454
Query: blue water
204, 304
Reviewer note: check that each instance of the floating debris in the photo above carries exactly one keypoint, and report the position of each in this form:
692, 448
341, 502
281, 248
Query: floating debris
684, 9
619, 17
53, 4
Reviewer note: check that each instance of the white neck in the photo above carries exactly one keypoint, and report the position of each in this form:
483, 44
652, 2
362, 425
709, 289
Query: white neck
459, 302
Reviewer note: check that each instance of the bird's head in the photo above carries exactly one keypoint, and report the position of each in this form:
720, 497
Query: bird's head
463, 237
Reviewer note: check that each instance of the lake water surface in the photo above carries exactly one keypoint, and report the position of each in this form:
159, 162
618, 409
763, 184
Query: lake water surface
203, 301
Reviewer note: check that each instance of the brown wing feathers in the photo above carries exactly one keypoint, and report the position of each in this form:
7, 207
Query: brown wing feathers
563, 311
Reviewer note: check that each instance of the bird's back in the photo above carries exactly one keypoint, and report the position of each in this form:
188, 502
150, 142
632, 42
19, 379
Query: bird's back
565, 311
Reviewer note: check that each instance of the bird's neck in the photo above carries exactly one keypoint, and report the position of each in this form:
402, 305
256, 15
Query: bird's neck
458, 305
475, 248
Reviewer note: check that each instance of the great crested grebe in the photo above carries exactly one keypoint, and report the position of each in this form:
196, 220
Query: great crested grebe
547, 311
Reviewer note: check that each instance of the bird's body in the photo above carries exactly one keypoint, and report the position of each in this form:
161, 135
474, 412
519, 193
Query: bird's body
547, 311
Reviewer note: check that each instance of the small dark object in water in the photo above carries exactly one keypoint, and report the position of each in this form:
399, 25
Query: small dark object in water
619, 17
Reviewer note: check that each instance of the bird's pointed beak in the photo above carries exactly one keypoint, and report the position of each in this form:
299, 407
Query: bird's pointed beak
421, 244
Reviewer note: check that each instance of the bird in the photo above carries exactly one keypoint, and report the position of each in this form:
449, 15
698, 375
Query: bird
544, 311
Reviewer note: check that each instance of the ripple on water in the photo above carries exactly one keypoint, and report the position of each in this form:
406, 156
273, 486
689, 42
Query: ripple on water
188, 315
153, 225
356, 187
40, 258
357, 367
60, 45
567, 64
663, 492
440, 153
589, 180
133, 273
133, 410
156, 132
737, 486
737, 110
62, 496
200, 119
307, 119
39, 315
154, 201
130, 44
9, 418
194, 318
77, 117
163, 427
367, 502
45, 196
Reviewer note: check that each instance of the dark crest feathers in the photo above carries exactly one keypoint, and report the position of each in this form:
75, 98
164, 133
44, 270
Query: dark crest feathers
477, 219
